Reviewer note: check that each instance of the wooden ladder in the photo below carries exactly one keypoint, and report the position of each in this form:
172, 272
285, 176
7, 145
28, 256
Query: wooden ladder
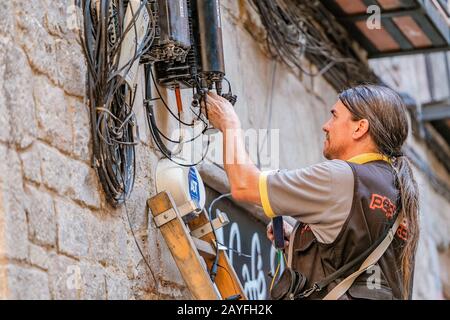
193, 248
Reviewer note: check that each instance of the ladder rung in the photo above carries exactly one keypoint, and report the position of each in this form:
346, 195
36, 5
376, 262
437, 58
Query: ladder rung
170, 214
205, 248
221, 221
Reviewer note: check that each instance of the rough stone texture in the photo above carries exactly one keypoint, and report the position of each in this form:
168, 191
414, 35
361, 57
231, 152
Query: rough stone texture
38, 44
31, 164
83, 184
41, 217
39, 256
93, 282
27, 283
5, 127
4, 290
59, 237
72, 70
7, 32
107, 239
72, 229
19, 99
69, 177
53, 115
117, 286
64, 278
15, 240
55, 173
82, 144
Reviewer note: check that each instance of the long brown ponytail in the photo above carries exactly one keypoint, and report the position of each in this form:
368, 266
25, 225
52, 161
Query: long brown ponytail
388, 127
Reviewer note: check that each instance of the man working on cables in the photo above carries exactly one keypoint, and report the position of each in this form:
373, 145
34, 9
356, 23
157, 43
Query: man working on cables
345, 206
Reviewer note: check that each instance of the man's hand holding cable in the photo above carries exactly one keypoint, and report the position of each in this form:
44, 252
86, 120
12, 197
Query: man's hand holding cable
242, 173
221, 114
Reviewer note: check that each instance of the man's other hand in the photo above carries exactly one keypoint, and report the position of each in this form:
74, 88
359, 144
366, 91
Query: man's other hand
287, 228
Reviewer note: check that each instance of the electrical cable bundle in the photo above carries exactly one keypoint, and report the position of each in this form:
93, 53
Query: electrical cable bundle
114, 44
157, 134
304, 28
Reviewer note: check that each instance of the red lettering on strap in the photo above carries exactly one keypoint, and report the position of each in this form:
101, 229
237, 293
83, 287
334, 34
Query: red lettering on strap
377, 201
402, 231
384, 204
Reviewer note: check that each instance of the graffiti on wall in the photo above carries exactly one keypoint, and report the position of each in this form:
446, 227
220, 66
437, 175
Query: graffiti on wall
248, 238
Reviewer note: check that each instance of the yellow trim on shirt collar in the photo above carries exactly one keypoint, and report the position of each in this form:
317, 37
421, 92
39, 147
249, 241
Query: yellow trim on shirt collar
369, 157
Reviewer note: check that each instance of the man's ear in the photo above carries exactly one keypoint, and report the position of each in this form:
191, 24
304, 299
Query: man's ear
361, 128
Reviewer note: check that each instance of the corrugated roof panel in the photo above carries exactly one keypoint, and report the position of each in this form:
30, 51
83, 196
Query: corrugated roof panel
380, 38
407, 26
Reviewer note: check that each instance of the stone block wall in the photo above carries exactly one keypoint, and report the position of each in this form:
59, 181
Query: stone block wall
59, 239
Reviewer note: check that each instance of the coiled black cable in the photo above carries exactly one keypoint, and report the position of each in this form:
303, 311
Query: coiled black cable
111, 97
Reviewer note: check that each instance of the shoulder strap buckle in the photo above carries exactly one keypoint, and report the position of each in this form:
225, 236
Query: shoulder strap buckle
307, 293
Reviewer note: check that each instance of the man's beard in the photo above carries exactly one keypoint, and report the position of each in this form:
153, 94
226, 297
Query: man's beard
327, 154
330, 152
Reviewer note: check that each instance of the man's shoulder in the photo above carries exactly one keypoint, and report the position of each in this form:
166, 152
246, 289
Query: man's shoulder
325, 170
339, 171
333, 166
